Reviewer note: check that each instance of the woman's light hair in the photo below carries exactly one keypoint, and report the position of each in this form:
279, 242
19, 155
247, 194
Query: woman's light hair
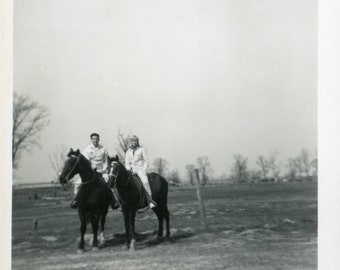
134, 138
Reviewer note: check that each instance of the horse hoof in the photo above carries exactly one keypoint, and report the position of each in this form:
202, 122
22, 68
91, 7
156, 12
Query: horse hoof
158, 238
80, 250
95, 248
132, 249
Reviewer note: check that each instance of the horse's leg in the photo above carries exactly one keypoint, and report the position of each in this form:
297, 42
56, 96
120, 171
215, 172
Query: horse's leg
82, 231
167, 220
160, 216
95, 226
102, 225
132, 216
127, 230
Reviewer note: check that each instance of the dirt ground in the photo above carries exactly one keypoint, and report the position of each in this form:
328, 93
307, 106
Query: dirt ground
263, 226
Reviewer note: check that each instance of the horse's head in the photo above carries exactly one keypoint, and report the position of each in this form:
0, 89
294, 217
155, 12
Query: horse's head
114, 169
71, 167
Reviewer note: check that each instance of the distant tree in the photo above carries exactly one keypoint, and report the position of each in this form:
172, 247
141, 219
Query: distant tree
264, 166
254, 176
240, 168
190, 173
160, 166
298, 165
173, 178
292, 169
29, 119
204, 168
57, 159
223, 178
123, 144
274, 166
305, 161
315, 165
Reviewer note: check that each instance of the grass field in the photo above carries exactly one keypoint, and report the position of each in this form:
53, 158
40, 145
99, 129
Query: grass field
263, 226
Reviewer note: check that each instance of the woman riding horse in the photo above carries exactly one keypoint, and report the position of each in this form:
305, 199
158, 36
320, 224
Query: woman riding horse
132, 196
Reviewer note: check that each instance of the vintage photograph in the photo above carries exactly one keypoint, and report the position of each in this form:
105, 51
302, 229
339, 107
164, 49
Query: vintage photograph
165, 134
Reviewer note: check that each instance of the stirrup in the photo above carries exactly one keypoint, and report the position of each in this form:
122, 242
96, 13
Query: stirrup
74, 204
142, 210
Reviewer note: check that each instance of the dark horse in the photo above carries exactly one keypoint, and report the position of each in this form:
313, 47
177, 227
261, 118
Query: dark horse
94, 195
128, 186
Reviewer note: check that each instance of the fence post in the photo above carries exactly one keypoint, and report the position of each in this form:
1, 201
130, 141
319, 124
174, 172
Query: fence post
200, 200
35, 224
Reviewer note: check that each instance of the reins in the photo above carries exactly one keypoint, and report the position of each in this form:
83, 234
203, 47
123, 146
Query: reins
116, 176
74, 166
88, 182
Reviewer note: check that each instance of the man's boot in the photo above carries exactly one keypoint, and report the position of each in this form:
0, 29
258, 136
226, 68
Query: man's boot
74, 203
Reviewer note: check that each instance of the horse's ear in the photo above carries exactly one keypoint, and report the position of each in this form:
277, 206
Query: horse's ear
78, 152
71, 149
117, 157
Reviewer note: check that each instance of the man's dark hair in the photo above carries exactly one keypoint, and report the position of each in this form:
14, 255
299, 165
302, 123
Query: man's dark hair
94, 134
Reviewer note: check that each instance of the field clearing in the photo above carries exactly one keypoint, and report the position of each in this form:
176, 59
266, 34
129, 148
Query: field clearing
263, 226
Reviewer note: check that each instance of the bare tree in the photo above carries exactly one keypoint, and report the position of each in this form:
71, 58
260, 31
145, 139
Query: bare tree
173, 178
123, 144
254, 176
305, 160
264, 166
29, 119
223, 178
298, 165
292, 169
274, 166
240, 168
57, 159
204, 168
190, 173
315, 166
160, 166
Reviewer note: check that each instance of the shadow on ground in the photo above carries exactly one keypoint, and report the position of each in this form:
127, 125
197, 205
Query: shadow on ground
147, 239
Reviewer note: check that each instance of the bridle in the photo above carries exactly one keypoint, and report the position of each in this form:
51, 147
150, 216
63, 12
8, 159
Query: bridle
116, 176
74, 166
112, 174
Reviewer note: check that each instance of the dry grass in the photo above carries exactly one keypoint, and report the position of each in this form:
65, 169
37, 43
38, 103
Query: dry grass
267, 226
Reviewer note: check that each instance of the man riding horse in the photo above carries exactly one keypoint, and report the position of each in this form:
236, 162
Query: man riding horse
97, 155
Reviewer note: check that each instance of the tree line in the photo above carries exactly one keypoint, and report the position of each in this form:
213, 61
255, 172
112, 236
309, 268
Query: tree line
301, 167
30, 118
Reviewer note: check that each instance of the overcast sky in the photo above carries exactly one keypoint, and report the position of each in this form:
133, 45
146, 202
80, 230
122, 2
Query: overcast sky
190, 78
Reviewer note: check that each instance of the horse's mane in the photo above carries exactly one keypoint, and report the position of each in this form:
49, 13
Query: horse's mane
121, 164
85, 159
81, 157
